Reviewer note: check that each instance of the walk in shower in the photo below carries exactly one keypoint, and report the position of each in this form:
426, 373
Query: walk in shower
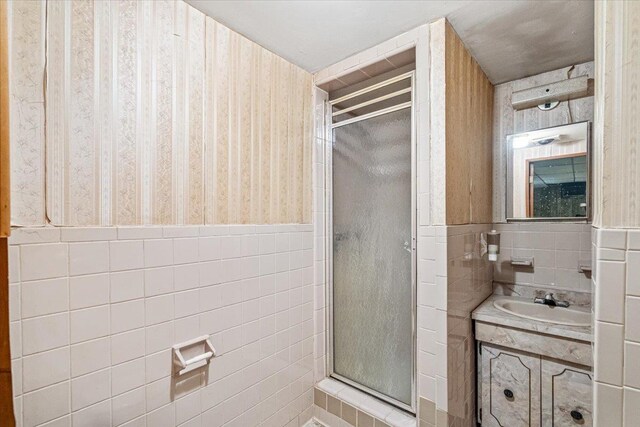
372, 249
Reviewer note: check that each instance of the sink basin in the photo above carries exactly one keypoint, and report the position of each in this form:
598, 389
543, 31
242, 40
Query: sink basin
544, 313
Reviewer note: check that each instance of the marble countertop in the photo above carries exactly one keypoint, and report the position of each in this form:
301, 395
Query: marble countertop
487, 312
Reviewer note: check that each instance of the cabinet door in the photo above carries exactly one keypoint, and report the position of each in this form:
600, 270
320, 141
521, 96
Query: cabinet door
566, 395
510, 388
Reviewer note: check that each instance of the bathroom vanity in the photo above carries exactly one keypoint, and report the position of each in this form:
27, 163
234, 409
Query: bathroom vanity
533, 371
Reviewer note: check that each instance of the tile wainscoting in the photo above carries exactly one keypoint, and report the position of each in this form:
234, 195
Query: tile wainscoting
95, 311
469, 282
617, 327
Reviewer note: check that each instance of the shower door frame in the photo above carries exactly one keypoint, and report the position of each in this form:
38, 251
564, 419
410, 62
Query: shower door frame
328, 178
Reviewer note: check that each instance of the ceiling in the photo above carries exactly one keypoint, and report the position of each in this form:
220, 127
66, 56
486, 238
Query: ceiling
509, 39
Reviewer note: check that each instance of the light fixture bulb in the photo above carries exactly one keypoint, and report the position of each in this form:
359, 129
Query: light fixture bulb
520, 141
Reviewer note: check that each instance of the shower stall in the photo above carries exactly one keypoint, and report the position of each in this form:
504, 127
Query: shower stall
372, 240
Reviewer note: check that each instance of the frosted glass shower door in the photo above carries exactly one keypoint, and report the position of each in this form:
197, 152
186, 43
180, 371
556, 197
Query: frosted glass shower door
372, 255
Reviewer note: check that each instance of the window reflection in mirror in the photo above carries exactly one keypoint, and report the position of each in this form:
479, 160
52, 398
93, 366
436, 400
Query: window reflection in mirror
548, 173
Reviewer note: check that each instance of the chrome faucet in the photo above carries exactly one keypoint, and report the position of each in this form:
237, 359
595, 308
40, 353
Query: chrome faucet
550, 301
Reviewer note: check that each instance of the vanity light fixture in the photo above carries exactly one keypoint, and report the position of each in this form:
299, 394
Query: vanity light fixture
521, 141
524, 140
548, 96
544, 140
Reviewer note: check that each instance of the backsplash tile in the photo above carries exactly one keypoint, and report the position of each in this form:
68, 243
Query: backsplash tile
578, 298
557, 249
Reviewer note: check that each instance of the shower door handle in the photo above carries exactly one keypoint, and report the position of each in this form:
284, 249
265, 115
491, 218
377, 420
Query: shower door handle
347, 235
338, 237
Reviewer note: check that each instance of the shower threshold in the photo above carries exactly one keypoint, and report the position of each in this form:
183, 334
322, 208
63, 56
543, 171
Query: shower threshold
361, 402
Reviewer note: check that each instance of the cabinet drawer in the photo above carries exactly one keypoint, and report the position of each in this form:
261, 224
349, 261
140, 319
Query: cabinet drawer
510, 388
566, 395
572, 351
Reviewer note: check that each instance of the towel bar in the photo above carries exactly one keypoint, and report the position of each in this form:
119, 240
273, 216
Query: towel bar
522, 261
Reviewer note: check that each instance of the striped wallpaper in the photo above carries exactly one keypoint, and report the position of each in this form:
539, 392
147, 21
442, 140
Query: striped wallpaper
154, 114
617, 127
461, 173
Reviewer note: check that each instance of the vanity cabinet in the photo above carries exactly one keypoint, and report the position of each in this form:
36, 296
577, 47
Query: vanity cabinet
510, 388
522, 389
566, 395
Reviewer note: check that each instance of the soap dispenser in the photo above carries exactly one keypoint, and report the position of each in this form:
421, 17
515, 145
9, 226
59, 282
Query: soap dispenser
493, 243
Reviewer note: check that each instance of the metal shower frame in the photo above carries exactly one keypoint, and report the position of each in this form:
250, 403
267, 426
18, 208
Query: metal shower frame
329, 127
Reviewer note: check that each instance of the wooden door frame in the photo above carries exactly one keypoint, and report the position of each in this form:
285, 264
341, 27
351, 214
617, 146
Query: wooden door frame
529, 182
6, 390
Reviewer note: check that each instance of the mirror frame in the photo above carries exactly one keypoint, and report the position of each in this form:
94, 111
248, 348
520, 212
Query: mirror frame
509, 180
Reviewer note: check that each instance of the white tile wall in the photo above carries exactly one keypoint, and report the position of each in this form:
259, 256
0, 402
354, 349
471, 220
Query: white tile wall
431, 314
42, 297
617, 328
46, 404
320, 211
44, 261
608, 352
88, 291
95, 311
608, 409
557, 249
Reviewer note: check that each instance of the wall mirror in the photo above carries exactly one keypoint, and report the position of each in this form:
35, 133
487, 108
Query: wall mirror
548, 174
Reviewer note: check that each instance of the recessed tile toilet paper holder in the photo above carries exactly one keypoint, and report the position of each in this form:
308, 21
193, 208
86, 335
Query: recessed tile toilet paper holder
181, 365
